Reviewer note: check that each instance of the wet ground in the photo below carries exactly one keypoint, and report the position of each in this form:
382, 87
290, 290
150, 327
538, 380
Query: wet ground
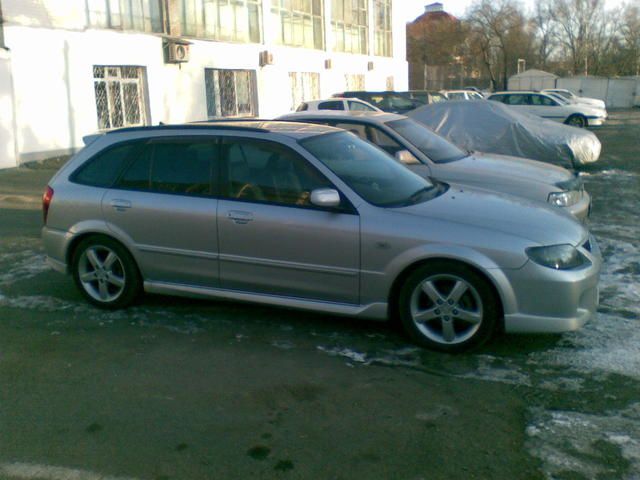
181, 389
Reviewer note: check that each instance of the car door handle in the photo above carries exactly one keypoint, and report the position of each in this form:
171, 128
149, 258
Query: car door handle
120, 205
241, 218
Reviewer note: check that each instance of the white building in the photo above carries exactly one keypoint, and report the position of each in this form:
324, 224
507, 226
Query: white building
71, 67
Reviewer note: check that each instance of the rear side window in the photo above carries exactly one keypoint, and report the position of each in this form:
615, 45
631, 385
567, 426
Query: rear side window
332, 105
361, 107
103, 169
178, 167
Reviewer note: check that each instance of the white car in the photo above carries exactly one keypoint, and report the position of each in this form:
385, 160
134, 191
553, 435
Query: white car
569, 95
546, 106
462, 95
353, 104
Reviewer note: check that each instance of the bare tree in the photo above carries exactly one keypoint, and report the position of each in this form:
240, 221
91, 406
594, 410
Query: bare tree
500, 28
545, 29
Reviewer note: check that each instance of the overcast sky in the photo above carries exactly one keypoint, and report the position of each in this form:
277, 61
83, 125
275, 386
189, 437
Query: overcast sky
413, 8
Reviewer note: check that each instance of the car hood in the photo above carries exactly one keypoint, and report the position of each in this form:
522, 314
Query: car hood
591, 101
506, 214
506, 169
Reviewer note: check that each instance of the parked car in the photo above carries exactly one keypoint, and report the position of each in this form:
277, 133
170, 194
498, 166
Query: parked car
425, 96
569, 95
462, 95
545, 106
386, 101
417, 146
337, 104
492, 127
311, 217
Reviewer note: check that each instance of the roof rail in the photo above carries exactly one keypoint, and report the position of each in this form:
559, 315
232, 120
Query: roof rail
189, 126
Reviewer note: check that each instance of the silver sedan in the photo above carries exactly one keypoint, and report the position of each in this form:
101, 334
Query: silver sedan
427, 153
311, 217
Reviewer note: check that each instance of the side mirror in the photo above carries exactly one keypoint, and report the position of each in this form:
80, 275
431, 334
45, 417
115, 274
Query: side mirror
406, 158
325, 197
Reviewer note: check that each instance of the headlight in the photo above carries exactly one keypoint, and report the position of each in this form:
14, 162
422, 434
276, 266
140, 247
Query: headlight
560, 257
565, 199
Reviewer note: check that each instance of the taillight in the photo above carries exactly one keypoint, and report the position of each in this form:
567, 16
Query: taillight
46, 201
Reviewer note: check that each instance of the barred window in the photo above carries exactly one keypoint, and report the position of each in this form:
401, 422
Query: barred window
390, 83
224, 20
230, 93
120, 96
299, 22
304, 86
383, 28
139, 15
354, 82
350, 25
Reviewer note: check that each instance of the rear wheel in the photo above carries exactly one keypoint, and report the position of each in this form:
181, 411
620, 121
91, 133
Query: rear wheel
105, 272
576, 121
447, 306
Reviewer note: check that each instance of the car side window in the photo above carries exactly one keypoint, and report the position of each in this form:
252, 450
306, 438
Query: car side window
356, 129
332, 105
384, 141
516, 99
186, 167
456, 96
103, 169
360, 107
267, 172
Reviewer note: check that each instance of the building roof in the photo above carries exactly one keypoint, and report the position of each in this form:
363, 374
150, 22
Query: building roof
534, 73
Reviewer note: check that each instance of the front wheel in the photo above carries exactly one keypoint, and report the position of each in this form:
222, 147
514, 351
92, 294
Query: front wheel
447, 306
576, 121
105, 272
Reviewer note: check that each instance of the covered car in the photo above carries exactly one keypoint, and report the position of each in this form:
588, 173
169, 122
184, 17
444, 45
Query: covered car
492, 127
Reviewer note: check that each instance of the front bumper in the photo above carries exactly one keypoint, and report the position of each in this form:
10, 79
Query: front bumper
596, 121
553, 301
581, 209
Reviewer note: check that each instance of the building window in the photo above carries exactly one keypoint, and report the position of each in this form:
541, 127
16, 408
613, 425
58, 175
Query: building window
230, 93
223, 20
304, 86
354, 82
350, 26
120, 96
299, 22
383, 28
390, 83
139, 15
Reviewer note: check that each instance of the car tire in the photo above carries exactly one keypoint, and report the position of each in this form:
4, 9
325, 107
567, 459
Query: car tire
447, 306
105, 272
576, 121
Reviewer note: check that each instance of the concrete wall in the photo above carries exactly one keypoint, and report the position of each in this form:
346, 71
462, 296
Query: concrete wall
53, 52
616, 92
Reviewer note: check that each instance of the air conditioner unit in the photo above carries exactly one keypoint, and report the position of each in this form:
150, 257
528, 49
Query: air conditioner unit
266, 58
176, 52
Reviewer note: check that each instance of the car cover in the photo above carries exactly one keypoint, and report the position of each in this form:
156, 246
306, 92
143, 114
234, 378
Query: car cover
489, 126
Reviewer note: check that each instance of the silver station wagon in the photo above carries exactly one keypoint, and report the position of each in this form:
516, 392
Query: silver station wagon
427, 153
312, 217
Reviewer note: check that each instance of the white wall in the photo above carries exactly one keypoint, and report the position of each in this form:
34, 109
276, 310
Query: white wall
53, 54
8, 156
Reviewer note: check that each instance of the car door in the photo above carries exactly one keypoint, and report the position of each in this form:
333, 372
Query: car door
165, 203
272, 239
548, 107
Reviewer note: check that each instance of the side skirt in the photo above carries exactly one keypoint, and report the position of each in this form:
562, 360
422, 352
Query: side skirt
373, 311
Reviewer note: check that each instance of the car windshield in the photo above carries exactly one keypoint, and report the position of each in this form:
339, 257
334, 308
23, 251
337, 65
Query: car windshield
370, 172
435, 147
559, 98
564, 94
